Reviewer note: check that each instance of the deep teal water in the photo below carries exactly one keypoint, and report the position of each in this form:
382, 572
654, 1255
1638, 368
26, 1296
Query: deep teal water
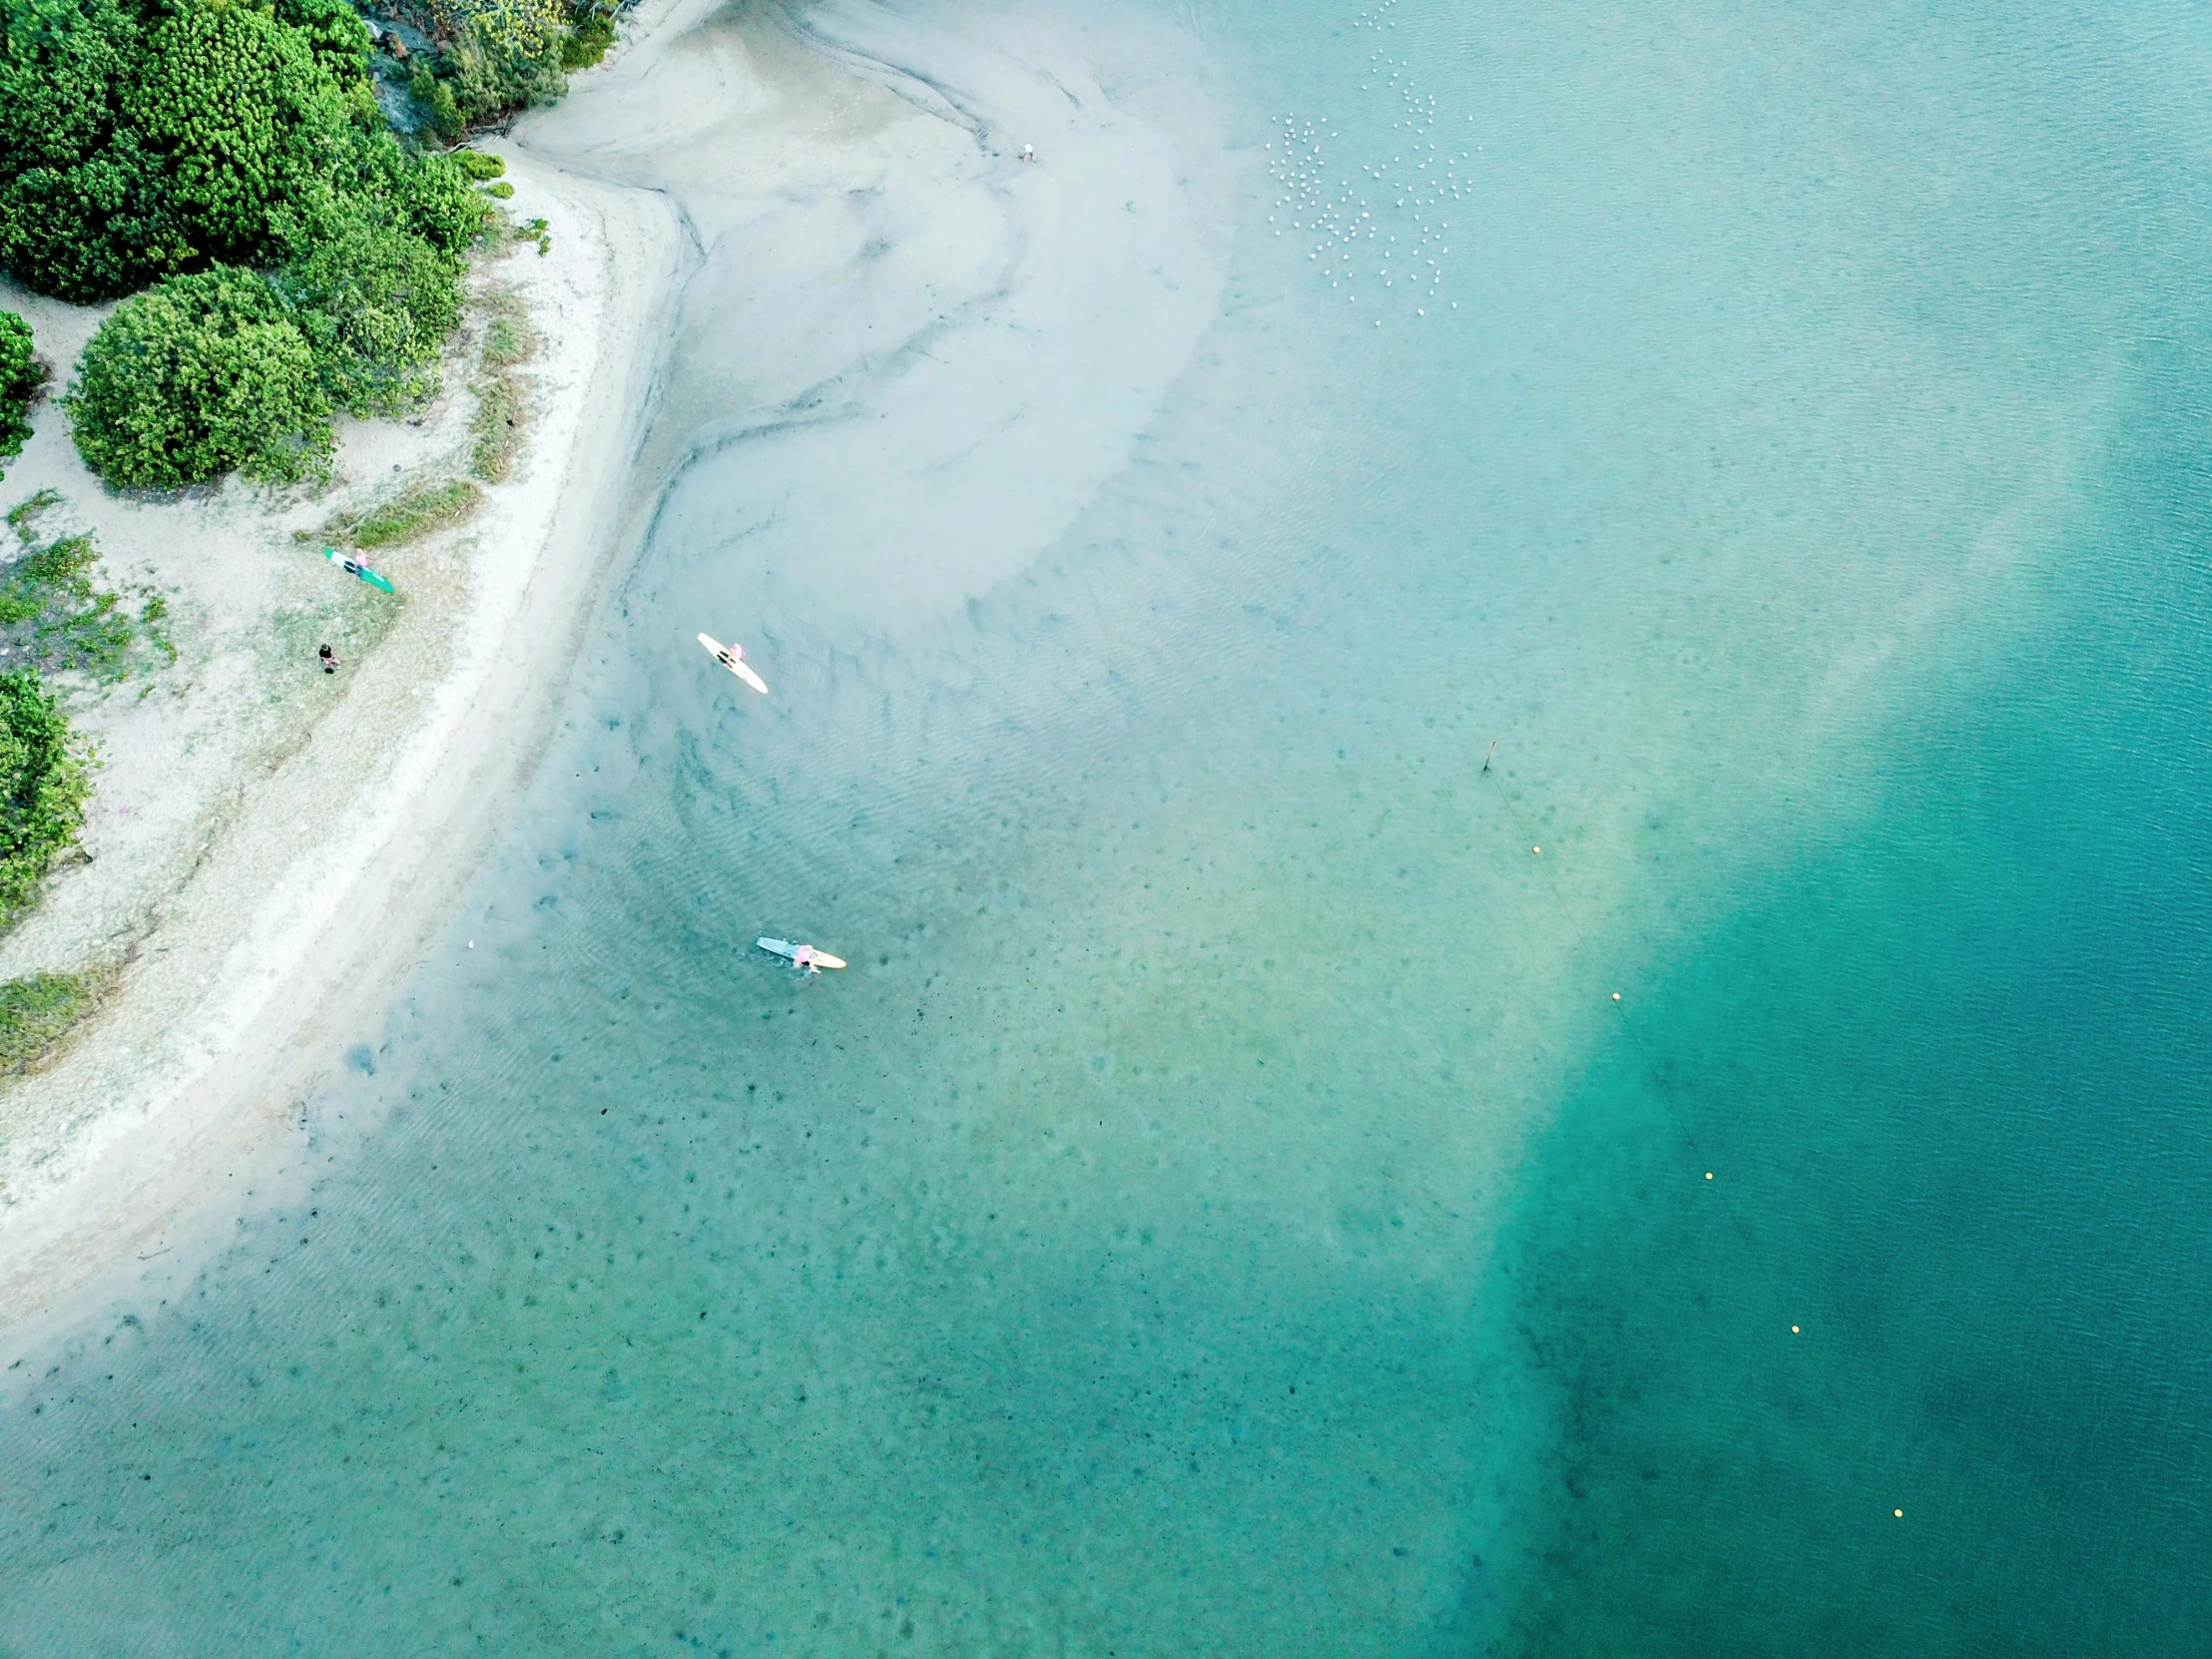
1947, 1066
1224, 1210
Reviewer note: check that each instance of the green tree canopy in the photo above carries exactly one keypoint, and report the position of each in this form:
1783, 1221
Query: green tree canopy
144, 139
178, 141
82, 204
64, 65
246, 117
42, 787
375, 304
138, 144
20, 379
205, 373
506, 53
334, 30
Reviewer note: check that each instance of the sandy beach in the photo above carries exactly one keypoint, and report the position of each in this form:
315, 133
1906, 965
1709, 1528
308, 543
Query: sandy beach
263, 900
767, 226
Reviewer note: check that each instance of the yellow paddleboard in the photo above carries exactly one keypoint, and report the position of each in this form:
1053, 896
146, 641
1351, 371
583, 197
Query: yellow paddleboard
799, 955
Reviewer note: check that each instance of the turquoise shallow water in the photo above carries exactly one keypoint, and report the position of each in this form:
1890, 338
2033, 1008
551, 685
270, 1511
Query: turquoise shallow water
1223, 1210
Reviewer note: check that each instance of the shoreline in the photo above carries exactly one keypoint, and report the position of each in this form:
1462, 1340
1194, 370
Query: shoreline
795, 230
250, 977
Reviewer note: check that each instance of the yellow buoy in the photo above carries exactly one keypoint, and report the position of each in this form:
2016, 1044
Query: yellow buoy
1793, 1330
1707, 1174
1616, 997
1535, 850
1900, 1514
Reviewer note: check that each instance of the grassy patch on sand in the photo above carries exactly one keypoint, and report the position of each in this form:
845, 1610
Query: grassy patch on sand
497, 428
507, 337
38, 1012
55, 618
342, 621
423, 510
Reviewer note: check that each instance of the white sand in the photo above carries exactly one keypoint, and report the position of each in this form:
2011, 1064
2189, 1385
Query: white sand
767, 227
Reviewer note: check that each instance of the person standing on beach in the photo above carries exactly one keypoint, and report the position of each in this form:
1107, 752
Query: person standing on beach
329, 659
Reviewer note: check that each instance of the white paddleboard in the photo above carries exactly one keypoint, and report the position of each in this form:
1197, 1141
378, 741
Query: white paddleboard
732, 657
791, 952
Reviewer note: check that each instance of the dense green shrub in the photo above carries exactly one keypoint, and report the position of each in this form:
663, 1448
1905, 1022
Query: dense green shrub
93, 230
591, 32
368, 176
83, 202
135, 144
150, 141
224, 369
435, 99
64, 69
198, 375
334, 32
139, 138
248, 119
441, 207
20, 377
506, 54
375, 304
42, 787
479, 165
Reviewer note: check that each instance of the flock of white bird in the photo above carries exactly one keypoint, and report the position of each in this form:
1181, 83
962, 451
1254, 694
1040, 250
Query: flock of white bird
1383, 235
